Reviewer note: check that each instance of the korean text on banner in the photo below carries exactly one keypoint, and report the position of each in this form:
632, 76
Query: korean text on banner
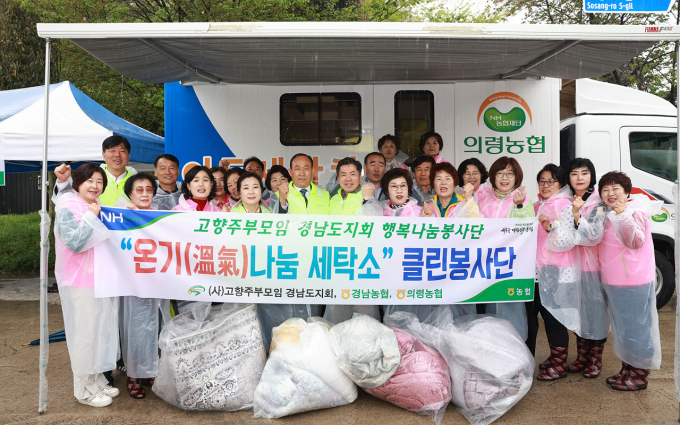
298, 259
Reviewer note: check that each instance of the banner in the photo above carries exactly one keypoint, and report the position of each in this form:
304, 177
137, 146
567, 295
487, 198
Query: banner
308, 259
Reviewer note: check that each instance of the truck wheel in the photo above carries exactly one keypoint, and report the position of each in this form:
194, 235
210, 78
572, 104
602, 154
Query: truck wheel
665, 280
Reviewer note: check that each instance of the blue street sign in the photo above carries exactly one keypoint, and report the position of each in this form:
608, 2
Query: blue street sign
627, 6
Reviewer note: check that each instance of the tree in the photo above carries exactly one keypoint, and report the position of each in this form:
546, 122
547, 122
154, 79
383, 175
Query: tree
653, 71
22, 52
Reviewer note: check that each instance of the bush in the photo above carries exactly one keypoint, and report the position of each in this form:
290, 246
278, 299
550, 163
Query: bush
20, 243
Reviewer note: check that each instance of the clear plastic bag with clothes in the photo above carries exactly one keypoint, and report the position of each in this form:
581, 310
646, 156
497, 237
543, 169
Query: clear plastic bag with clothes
211, 364
366, 350
423, 311
139, 336
273, 315
421, 384
490, 365
301, 373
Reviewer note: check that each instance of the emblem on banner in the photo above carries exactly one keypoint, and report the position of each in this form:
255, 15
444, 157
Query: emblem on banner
504, 122
511, 291
345, 294
401, 293
196, 290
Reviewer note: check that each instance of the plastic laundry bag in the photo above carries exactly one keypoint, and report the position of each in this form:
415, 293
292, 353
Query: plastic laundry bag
301, 373
490, 365
421, 383
213, 361
366, 350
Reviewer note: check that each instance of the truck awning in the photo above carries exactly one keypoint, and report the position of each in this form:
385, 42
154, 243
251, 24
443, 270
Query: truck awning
357, 52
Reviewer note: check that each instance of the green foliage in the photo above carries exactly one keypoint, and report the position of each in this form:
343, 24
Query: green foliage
653, 71
20, 248
22, 52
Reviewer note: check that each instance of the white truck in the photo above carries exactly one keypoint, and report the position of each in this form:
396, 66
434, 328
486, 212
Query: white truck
616, 127
620, 128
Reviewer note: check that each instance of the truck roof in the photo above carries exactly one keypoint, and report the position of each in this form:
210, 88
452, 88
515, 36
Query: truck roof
597, 97
357, 52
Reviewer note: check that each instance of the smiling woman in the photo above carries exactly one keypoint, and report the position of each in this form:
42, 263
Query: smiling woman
198, 191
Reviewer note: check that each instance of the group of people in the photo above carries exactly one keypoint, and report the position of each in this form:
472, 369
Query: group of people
595, 261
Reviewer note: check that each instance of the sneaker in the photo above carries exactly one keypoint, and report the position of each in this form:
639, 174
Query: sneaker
97, 400
110, 391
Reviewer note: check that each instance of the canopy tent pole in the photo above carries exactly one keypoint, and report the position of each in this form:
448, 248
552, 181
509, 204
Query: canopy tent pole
677, 229
44, 245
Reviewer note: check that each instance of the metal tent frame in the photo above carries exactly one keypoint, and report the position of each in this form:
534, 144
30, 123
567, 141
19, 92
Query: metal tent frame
342, 52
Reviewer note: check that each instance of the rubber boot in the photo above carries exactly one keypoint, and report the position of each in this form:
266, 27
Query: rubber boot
594, 362
635, 380
546, 363
622, 373
558, 367
583, 353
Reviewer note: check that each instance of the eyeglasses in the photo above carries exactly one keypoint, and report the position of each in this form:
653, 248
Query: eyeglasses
547, 182
141, 190
396, 187
507, 175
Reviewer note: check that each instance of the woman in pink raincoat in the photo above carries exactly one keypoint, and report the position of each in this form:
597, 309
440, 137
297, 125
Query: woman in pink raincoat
584, 224
505, 198
557, 292
398, 185
91, 323
221, 194
628, 277
198, 192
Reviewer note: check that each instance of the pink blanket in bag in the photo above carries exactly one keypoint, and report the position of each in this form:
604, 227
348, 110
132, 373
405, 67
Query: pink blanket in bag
421, 381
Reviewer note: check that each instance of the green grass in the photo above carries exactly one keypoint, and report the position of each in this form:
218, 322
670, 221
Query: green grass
20, 243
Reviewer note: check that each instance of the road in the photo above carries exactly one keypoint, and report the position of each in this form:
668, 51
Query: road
573, 400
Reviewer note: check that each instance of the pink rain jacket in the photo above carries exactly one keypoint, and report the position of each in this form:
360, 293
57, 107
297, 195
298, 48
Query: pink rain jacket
189, 205
588, 245
627, 250
77, 231
491, 206
421, 382
552, 208
410, 209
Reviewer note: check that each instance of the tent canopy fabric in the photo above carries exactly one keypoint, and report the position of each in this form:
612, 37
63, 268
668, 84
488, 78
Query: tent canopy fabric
356, 52
77, 127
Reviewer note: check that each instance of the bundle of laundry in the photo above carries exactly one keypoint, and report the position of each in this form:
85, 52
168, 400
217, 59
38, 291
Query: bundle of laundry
301, 373
211, 358
392, 365
490, 365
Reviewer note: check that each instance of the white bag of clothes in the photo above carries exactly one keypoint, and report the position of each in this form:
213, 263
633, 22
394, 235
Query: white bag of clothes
490, 365
213, 361
366, 350
301, 373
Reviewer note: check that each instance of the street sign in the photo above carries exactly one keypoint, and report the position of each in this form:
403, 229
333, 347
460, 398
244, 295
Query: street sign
627, 6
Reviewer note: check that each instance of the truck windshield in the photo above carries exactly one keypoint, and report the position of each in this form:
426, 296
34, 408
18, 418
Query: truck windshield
655, 153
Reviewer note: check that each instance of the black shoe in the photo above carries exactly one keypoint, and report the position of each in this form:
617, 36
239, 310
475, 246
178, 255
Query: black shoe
53, 288
109, 377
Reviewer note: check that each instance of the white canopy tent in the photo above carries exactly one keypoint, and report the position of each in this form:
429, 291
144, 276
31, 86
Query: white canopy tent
342, 52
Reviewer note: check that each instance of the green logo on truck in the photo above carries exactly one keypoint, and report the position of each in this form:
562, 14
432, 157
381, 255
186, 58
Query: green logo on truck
659, 218
498, 121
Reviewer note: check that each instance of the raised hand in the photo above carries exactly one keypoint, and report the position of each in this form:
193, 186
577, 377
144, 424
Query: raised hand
468, 188
545, 222
520, 196
131, 207
283, 194
620, 206
226, 207
63, 172
427, 211
367, 191
576, 208
224, 163
94, 208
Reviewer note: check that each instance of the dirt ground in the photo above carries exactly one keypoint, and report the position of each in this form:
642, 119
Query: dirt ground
573, 400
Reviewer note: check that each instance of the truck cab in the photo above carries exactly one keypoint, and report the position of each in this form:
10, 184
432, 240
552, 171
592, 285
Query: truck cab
619, 128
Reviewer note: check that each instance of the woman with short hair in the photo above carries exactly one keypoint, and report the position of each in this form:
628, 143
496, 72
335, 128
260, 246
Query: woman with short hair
91, 323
